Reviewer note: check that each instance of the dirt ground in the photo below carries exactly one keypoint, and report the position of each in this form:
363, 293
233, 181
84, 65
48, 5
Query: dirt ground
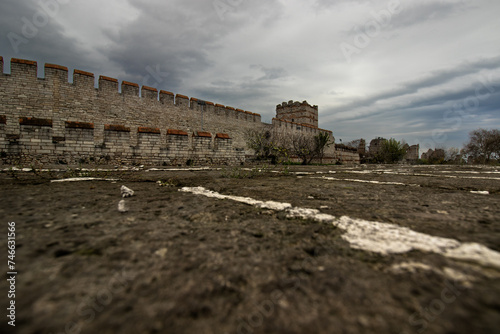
179, 262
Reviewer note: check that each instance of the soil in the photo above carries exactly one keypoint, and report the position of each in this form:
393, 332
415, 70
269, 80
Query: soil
178, 262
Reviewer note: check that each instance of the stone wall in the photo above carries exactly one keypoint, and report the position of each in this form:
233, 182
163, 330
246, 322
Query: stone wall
297, 112
52, 120
346, 155
412, 153
375, 145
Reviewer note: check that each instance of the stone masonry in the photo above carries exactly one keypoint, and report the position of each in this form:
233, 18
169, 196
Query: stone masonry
297, 112
50, 120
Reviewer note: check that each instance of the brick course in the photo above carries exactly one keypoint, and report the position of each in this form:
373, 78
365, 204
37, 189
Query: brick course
51, 120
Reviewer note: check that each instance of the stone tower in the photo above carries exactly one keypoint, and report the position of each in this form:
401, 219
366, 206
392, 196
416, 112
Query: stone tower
297, 112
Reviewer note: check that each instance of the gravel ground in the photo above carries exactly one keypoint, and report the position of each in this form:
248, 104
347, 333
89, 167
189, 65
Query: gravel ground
312, 249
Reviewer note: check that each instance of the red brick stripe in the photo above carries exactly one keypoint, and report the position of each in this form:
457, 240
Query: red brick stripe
126, 83
102, 77
88, 74
143, 129
35, 121
222, 136
204, 134
150, 89
118, 128
79, 125
56, 67
23, 61
176, 132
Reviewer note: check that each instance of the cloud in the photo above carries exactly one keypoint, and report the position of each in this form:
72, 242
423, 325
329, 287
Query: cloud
28, 31
432, 79
255, 54
270, 73
422, 12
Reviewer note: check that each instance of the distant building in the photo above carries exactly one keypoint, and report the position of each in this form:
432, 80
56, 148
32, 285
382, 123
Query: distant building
376, 145
298, 112
434, 156
362, 147
412, 153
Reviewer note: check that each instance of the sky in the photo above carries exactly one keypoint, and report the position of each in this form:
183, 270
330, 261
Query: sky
426, 72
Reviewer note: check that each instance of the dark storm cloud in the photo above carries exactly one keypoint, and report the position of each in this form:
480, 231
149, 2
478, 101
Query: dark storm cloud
255, 54
178, 38
29, 29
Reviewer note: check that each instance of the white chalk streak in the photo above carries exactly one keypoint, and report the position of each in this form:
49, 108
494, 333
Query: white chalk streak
247, 200
481, 192
79, 179
369, 181
382, 238
199, 169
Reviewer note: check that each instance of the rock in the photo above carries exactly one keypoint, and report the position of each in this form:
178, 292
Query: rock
126, 192
162, 252
122, 207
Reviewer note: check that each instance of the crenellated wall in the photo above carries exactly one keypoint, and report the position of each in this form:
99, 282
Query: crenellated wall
52, 120
77, 121
346, 155
298, 112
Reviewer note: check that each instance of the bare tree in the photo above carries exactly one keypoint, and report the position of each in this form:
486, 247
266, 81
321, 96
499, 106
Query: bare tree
354, 143
452, 155
278, 146
483, 145
268, 145
308, 147
303, 146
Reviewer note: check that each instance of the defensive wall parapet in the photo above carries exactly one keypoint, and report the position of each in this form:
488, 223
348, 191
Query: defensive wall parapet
298, 112
118, 118
52, 119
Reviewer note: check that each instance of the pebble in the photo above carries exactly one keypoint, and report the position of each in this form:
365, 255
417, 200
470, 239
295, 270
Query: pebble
122, 207
126, 192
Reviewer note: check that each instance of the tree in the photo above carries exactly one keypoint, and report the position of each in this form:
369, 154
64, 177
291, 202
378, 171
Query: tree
308, 147
391, 151
483, 145
322, 141
453, 155
260, 142
278, 146
303, 147
354, 143
268, 145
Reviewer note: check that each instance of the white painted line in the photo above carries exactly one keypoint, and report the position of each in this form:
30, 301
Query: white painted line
382, 238
79, 179
367, 181
181, 169
247, 200
447, 176
480, 192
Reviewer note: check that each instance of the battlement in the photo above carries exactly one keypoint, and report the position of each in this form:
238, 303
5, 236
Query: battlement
298, 112
295, 104
51, 119
23, 70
